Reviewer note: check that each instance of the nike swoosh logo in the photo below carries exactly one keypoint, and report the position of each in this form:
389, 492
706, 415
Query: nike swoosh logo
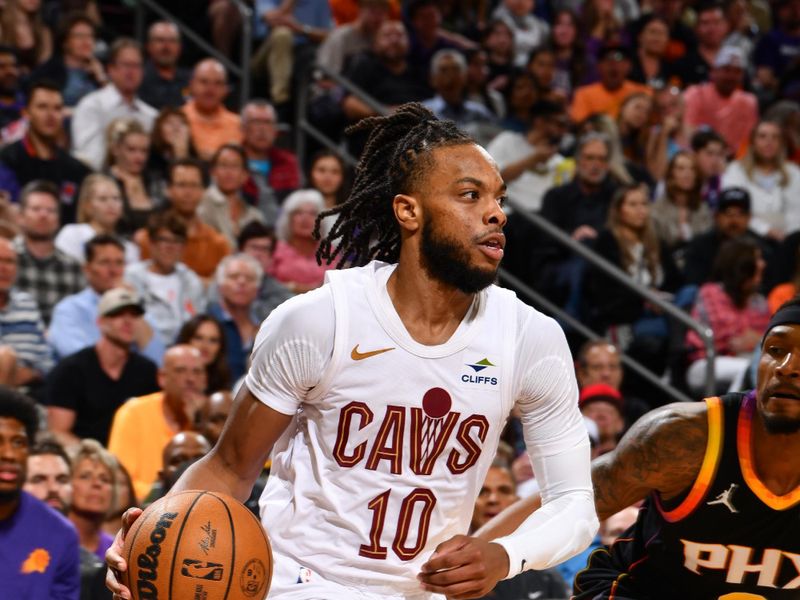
356, 355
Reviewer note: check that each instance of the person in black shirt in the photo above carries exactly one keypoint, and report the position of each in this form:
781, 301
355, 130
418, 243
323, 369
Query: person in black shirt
11, 98
38, 156
164, 83
85, 389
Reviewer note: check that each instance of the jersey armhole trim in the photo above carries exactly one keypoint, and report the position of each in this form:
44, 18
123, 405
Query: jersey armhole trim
708, 470
745, 452
340, 328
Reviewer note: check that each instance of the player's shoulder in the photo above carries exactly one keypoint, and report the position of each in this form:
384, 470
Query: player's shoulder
304, 312
533, 326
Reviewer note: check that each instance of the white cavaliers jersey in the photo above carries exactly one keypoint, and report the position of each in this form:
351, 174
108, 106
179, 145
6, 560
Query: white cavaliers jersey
391, 439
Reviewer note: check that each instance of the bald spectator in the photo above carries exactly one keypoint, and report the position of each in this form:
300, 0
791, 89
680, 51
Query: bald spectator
721, 103
143, 426
272, 169
349, 39
214, 414
185, 448
86, 388
608, 94
211, 124
204, 246
118, 99
164, 82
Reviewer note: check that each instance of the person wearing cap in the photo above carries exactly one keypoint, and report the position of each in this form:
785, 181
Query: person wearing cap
721, 103
772, 181
86, 388
731, 220
144, 425
603, 404
608, 94
720, 480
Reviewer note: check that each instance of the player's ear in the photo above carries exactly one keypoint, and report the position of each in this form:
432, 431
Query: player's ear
407, 211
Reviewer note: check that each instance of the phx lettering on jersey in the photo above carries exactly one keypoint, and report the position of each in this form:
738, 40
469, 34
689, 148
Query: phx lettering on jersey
148, 560
737, 562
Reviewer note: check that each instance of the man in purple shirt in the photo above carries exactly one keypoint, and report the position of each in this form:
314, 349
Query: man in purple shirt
39, 552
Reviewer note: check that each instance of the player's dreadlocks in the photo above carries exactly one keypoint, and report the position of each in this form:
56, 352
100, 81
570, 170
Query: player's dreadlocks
397, 153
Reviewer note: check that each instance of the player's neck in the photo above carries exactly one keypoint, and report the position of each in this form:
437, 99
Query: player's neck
430, 310
776, 458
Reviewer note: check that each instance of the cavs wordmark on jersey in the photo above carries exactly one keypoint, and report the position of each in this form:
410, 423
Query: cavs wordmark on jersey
391, 439
729, 537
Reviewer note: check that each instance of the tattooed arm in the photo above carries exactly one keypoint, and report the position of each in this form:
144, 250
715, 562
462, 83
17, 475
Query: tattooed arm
663, 452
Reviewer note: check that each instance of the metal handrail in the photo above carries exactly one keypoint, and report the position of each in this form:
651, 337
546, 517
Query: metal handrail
613, 271
242, 72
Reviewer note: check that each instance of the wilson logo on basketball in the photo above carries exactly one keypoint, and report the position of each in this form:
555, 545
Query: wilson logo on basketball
148, 560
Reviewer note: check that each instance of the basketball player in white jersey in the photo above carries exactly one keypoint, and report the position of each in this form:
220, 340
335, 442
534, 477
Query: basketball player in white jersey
382, 394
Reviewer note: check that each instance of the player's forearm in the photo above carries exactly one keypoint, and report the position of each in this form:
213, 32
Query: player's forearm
510, 519
211, 474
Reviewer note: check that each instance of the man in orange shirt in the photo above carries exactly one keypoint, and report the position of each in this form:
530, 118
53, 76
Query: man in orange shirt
211, 124
143, 426
204, 246
607, 95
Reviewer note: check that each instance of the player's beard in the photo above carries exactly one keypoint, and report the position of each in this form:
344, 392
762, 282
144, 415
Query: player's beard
445, 259
779, 425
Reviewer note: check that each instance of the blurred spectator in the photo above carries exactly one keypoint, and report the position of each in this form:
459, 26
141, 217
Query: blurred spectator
328, 175
272, 169
617, 524
520, 96
629, 242
99, 212
74, 324
498, 492
258, 241
448, 78
529, 31
226, 25
426, 35
86, 388
38, 155
620, 169
170, 291
164, 82
649, 65
12, 100
143, 426
210, 123
710, 150
680, 214
40, 546
669, 134
772, 182
128, 147
124, 498
478, 89
633, 124
74, 68
171, 140
204, 247
92, 492
603, 404
185, 448
601, 24
49, 474
787, 290
214, 414
607, 95
529, 164
347, 11
22, 27
778, 49
720, 103
223, 206
291, 31
295, 259
43, 271
24, 355
386, 73
787, 114
734, 310
205, 333
118, 99
498, 41
238, 279
711, 29
542, 67
574, 66
681, 36
347, 40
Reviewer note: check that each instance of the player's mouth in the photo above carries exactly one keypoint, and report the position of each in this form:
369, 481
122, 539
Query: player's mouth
784, 394
492, 246
9, 474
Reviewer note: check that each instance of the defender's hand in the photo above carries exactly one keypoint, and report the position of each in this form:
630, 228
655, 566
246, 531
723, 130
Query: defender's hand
464, 567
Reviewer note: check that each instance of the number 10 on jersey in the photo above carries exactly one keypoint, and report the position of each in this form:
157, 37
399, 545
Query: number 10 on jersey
426, 500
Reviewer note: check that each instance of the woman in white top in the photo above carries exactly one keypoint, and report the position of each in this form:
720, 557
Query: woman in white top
99, 211
772, 181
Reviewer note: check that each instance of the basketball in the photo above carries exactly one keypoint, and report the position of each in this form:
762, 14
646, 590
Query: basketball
197, 545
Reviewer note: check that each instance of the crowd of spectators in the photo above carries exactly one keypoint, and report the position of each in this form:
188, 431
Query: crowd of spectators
149, 223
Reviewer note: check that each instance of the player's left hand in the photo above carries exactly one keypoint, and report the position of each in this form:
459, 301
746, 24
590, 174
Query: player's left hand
464, 567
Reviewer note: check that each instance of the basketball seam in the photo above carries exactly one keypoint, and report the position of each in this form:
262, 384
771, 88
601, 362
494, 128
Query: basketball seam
268, 545
178, 539
131, 546
233, 543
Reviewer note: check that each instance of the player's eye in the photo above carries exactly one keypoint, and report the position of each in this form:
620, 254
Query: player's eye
471, 194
